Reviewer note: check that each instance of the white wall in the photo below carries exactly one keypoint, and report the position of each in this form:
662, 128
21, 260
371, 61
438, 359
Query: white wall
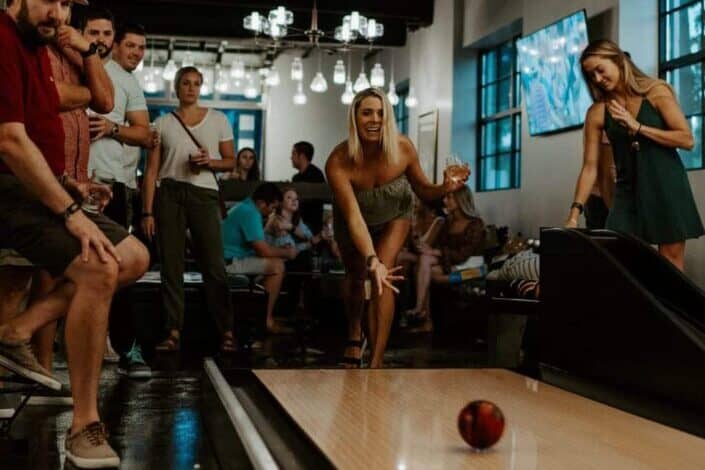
321, 121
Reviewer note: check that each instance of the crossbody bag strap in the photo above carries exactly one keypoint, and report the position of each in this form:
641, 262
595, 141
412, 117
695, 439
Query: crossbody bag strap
195, 141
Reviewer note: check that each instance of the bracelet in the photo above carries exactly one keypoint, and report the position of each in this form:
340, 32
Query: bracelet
71, 210
638, 130
577, 205
147, 214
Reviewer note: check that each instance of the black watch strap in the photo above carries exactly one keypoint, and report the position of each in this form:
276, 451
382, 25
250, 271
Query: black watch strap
577, 205
92, 49
369, 259
71, 210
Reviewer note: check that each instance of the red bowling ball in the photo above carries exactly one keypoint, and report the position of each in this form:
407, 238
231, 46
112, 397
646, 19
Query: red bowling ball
481, 424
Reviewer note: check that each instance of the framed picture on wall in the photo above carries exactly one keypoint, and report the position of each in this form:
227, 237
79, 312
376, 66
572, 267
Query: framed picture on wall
428, 143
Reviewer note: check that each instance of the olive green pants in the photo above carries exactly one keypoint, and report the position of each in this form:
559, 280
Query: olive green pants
180, 206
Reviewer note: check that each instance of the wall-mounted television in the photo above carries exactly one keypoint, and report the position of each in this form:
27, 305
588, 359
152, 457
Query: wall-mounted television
555, 93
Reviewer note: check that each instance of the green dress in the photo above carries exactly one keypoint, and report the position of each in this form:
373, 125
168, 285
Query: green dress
652, 199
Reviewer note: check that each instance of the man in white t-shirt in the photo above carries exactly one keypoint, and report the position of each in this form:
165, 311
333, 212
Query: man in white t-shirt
127, 124
110, 131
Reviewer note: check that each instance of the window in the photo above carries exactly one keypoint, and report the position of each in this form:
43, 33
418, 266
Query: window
681, 62
401, 112
499, 139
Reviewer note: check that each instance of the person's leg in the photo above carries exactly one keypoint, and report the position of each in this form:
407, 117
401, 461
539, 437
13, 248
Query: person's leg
204, 223
14, 281
354, 302
274, 276
675, 253
388, 246
171, 236
423, 281
43, 340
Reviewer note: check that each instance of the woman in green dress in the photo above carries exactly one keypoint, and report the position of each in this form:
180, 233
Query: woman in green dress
645, 126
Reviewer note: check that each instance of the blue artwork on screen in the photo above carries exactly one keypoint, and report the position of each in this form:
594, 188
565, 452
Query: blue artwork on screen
555, 93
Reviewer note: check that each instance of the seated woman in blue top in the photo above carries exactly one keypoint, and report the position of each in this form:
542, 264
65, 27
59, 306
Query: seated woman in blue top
246, 249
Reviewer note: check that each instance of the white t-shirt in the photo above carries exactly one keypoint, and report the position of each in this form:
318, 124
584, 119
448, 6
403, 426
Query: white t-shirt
177, 146
107, 154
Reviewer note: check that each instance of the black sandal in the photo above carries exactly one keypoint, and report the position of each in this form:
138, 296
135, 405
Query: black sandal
354, 361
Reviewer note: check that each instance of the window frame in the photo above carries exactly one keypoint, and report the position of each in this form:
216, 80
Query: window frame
513, 112
666, 66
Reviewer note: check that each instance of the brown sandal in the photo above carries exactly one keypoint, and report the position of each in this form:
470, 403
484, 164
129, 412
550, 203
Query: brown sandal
171, 344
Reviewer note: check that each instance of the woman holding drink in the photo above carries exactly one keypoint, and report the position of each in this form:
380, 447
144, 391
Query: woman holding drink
372, 174
180, 192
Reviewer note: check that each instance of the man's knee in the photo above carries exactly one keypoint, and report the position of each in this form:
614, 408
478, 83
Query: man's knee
275, 266
94, 274
134, 259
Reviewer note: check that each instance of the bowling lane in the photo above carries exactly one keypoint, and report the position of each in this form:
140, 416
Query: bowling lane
407, 419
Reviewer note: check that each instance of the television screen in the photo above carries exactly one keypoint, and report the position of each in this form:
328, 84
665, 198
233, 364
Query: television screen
555, 93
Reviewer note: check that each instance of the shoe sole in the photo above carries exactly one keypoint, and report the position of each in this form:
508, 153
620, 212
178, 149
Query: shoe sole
108, 462
50, 401
42, 379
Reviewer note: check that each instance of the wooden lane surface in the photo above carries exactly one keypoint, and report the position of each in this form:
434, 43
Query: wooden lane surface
407, 419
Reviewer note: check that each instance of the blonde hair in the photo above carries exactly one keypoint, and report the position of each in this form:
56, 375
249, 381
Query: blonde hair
466, 202
180, 74
390, 134
635, 80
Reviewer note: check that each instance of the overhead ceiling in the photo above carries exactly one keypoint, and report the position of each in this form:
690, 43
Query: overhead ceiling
223, 18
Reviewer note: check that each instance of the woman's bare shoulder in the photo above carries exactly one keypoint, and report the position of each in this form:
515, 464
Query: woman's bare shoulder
338, 156
596, 114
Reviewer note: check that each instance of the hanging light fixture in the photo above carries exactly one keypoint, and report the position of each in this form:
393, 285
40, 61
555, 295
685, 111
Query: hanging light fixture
319, 84
361, 83
297, 69
377, 76
170, 70
222, 84
392, 93
272, 77
339, 72
152, 81
411, 101
348, 95
251, 90
237, 69
299, 97
188, 60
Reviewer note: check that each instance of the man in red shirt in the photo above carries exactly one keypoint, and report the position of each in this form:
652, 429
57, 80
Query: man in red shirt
88, 254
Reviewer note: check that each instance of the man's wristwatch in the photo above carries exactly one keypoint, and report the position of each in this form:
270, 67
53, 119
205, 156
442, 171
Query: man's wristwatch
369, 260
71, 210
92, 49
115, 130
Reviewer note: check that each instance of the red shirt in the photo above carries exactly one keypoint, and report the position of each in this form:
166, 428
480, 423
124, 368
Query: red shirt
28, 94
77, 141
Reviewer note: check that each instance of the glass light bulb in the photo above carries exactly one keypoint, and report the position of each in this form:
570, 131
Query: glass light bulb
377, 76
188, 60
170, 70
339, 72
297, 69
411, 101
237, 69
392, 94
319, 84
361, 83
348, 95
273, 77
300, 97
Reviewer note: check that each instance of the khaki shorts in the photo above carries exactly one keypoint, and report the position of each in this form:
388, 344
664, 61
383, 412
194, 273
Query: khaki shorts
32, 230
252, 265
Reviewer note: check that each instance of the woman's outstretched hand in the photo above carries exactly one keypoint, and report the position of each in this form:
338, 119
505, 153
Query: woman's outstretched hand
383, 277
